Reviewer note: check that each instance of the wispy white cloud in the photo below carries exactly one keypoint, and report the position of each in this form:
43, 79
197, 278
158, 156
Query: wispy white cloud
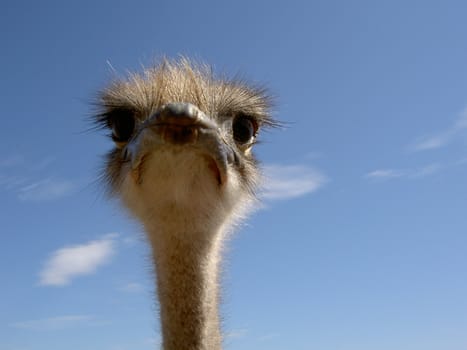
427, 170
155, 341
430, 142
29, 181
385, 174
443, 137
54, 323
46, 189
70, 262
290, 181
134, 239
132, 287
390, 174
237, 333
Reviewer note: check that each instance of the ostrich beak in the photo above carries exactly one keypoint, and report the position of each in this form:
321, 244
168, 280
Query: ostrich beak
182, 125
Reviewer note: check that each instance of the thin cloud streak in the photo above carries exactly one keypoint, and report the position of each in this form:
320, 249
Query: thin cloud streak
432, 142
443, 138
385, 174
425, 171
237, 333
132, 287
67, 263
391, 174
46, 190
30, 182
290, 181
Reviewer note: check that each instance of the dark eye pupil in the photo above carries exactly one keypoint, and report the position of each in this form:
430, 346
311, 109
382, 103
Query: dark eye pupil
243, 130
123, 124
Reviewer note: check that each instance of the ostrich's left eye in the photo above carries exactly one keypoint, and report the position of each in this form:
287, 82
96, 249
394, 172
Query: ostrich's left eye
122, 123
244, 129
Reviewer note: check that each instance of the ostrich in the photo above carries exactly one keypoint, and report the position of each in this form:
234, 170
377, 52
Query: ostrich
183, 166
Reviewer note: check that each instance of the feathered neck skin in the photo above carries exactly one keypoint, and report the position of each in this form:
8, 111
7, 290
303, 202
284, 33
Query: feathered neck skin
183, 166
187, 270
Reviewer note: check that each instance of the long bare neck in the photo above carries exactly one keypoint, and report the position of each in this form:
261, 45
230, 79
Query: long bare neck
187, 265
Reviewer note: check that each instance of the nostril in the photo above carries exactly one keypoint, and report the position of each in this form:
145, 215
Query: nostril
126, 154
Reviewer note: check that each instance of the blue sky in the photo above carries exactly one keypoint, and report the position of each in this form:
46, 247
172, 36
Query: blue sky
361, 242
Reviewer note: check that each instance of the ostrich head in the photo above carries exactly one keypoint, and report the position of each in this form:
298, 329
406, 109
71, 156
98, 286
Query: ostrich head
183, 165
183, 143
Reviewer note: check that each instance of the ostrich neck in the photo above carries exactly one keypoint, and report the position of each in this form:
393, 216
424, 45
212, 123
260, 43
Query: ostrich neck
187, 283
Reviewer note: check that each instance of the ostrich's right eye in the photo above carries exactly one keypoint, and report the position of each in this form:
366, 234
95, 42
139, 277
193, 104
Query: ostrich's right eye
122, 123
